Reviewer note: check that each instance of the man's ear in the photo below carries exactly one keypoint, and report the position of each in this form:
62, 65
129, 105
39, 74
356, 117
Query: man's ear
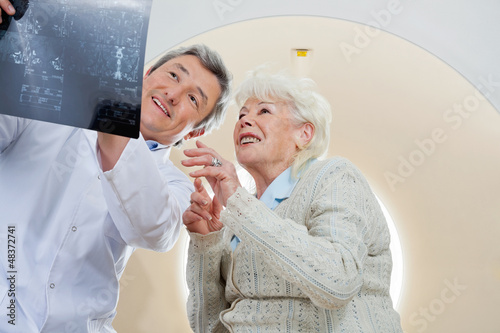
306, 134
147, 72
194, 133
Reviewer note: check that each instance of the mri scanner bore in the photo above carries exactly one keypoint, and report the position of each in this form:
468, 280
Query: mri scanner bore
392, 94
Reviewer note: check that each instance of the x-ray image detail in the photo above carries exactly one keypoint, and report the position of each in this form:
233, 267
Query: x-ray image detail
75, 62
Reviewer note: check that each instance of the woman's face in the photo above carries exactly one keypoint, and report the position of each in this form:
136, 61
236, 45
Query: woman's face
265, 136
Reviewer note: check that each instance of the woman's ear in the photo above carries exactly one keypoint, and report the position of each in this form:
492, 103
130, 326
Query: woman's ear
306, 133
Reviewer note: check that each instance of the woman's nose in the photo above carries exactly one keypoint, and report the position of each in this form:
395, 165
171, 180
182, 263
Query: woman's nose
246, 121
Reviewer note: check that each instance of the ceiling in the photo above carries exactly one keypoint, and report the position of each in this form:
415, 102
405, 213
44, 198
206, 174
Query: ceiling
422, 131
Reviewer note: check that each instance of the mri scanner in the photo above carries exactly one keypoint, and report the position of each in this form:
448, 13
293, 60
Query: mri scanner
415, 92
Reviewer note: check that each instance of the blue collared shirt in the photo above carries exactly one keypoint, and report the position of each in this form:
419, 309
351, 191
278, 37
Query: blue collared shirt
153, 145
279, 190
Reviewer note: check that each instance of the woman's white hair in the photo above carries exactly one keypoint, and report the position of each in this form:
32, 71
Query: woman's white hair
305, 106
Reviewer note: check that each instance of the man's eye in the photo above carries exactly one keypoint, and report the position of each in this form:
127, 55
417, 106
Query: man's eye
241, 116
193, 99
172, 74
265, 111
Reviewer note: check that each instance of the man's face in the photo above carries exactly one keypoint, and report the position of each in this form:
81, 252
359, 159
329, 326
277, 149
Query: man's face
176, 97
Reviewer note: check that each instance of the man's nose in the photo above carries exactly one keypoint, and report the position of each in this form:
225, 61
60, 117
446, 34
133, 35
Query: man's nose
173, 95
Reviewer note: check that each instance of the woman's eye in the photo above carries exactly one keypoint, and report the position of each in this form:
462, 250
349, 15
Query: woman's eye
265, 111
241, 116
172, 74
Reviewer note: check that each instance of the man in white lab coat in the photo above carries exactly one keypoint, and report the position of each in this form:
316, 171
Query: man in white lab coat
75, 203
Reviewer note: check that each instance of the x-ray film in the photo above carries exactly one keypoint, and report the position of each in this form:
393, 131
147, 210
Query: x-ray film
75, 62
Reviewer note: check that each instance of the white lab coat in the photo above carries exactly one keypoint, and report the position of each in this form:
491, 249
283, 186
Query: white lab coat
74, 226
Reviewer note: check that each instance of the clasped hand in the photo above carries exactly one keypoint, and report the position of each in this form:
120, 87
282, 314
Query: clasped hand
203, 215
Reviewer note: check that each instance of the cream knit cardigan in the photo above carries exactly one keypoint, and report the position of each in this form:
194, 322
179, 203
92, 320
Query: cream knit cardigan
320, 262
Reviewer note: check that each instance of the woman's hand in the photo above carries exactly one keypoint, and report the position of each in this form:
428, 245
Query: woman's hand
223, 179
203, 216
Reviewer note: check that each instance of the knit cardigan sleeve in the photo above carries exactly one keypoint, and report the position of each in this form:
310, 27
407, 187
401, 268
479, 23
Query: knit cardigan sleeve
323, 255
205, 282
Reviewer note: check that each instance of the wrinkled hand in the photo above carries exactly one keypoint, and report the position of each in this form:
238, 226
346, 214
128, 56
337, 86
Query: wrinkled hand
203, 216
7, 7
223, 179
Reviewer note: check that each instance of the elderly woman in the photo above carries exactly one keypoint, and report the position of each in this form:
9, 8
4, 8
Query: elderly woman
309, 251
